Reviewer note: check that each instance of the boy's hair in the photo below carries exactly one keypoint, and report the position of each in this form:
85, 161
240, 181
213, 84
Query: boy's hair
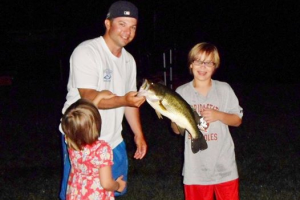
204, 48
81, 124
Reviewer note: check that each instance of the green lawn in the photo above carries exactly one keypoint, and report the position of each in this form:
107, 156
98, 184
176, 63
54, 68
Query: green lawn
267, 146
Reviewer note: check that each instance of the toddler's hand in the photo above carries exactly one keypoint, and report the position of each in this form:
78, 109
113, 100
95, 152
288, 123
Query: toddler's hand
122, 184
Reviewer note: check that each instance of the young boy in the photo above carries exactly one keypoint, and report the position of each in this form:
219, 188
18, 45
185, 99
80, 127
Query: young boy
212, 171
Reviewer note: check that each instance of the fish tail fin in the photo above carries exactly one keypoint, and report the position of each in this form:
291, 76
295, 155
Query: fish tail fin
198, 144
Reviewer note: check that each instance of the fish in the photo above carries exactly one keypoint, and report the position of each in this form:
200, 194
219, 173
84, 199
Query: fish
170, 104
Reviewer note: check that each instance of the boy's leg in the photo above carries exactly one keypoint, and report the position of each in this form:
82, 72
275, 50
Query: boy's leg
228, 190
120, 166
199, 192
66, 169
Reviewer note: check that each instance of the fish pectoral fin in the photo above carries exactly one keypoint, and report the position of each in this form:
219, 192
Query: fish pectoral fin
158, 114
162, 106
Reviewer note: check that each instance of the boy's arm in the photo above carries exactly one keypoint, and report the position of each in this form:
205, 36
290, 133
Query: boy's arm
175, 128
230, 119
211, 115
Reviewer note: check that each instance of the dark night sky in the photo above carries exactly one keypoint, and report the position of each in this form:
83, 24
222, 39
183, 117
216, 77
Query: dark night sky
257, 40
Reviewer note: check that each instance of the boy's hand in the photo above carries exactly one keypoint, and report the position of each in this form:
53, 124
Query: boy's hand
210, 115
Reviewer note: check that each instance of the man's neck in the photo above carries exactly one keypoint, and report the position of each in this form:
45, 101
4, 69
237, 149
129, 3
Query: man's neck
115, 50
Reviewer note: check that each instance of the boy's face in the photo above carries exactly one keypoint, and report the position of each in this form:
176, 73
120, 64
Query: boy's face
203, 67
121, 30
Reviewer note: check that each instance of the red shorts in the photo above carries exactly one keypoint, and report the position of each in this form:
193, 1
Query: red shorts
223, 191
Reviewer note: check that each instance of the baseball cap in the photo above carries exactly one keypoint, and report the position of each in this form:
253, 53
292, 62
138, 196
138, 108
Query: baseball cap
122, 9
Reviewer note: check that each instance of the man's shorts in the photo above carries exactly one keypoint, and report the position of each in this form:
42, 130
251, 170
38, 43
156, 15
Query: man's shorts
120, 166
66, 169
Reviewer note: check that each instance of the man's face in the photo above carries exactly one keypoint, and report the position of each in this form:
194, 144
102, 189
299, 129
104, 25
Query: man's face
121, 30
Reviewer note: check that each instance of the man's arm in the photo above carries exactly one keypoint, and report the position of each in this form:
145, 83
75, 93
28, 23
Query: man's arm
132, 115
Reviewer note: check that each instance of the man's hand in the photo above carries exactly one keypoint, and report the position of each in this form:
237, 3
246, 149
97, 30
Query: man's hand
141, 146
133, 100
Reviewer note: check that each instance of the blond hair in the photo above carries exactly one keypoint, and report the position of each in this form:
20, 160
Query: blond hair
81, 124
204, 48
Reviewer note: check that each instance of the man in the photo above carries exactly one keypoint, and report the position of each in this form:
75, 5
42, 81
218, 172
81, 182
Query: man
104, 64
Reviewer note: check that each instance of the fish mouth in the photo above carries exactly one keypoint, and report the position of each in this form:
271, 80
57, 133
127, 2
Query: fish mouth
145, 85
141, 92
144, 88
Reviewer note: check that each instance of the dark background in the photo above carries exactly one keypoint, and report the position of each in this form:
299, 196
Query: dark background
259, 46
258, 40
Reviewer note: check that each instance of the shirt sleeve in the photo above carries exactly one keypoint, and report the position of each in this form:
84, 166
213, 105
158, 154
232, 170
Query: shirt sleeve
84, 68
131, 83
105, 154
233, 106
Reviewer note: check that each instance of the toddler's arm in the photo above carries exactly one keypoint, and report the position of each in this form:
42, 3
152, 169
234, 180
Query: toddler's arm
107, 181
104, 94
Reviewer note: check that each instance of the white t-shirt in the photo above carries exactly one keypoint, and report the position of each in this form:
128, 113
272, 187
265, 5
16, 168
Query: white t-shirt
217, 163
93, 66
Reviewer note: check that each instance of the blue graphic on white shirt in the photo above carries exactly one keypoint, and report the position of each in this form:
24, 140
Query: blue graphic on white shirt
107, 75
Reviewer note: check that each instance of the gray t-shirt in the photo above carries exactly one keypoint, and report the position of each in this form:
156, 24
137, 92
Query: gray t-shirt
217, 163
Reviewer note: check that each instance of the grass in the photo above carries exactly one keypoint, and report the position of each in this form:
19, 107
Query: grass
267, 146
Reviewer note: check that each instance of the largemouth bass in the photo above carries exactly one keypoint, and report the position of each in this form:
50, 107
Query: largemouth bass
170, 104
